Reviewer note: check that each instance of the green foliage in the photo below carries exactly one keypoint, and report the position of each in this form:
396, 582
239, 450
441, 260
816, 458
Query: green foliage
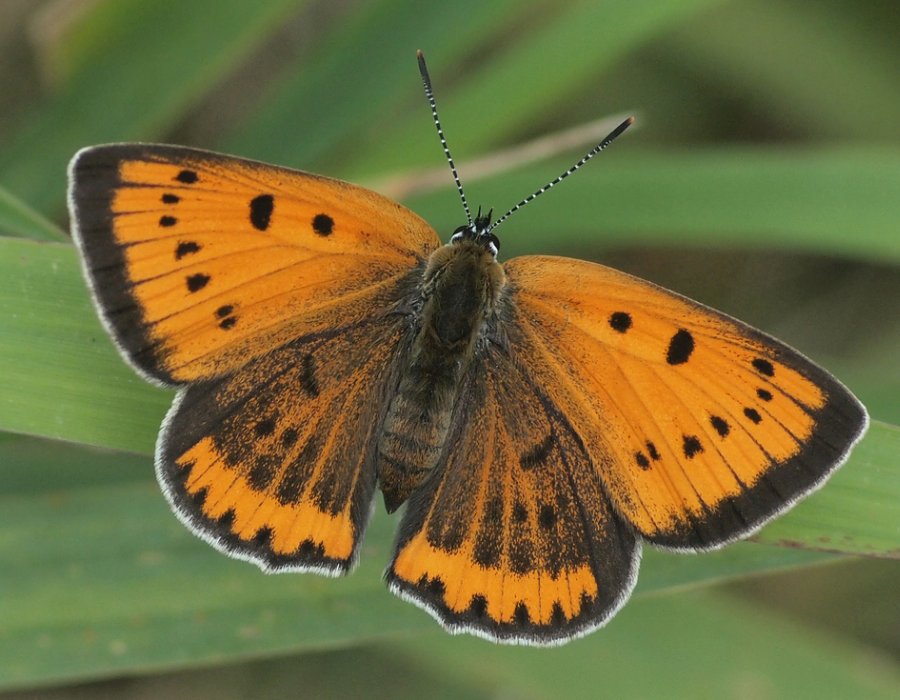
763, 177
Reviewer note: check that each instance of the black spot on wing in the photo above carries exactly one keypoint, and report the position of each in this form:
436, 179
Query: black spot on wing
680, 347
197, 282
167, 221
265, 427
620, 321
227, 319
763, 366
169, 198
764, 394
261, 208
289, 437
641, 458
187, 177
547, 516
837, 425
537, 455
691, 446
323, 224
720, 425
752, 414
520, 512
186, 248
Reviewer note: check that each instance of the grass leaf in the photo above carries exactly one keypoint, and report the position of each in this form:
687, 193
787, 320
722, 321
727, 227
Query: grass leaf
101, 577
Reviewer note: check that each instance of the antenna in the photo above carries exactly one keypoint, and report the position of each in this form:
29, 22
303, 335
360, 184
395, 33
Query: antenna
612, 136
479, 220
429, 94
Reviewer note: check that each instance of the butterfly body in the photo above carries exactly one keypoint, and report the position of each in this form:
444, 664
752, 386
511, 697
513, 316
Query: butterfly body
455, 303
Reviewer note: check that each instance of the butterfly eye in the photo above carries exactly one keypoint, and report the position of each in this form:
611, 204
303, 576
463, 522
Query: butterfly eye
493, 244
463, 232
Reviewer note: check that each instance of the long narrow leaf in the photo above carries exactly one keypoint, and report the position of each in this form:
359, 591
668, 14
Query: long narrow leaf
99, 578
157, 60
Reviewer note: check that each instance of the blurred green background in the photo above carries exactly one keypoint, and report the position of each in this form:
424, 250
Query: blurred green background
762, 178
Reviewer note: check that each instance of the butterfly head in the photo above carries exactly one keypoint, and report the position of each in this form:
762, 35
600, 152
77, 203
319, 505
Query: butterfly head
463, 278
479, 233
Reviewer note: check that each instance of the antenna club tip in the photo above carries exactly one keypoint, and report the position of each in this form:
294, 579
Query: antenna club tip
628, 121
423, 69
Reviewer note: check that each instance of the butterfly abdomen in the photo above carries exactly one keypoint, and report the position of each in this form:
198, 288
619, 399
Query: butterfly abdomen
459, 289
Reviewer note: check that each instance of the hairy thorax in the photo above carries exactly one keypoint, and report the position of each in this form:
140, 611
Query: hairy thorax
460, 290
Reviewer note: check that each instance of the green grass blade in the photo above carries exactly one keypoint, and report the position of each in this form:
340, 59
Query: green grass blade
856, 510
839, 80
99, 577
157, 61
62, 376
326, 103
558, 63
689, 646
18, 219
377, 119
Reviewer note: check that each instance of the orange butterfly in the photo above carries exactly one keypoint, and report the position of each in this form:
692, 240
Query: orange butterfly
540, 419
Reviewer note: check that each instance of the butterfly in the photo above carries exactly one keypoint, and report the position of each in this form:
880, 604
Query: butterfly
539, 418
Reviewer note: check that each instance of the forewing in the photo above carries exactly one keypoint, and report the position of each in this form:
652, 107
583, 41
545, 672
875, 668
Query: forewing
512, 537
199, 262
701, 427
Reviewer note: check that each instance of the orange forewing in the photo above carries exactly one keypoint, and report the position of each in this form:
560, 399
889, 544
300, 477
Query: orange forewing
201, 261
700, 427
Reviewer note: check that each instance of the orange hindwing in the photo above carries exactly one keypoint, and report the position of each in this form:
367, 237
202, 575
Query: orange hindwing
514, 537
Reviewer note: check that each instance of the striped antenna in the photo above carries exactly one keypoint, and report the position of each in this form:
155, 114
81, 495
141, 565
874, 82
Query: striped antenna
429, 94
612, 136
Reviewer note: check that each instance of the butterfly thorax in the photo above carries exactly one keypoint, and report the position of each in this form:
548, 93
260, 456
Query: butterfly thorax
460, 289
